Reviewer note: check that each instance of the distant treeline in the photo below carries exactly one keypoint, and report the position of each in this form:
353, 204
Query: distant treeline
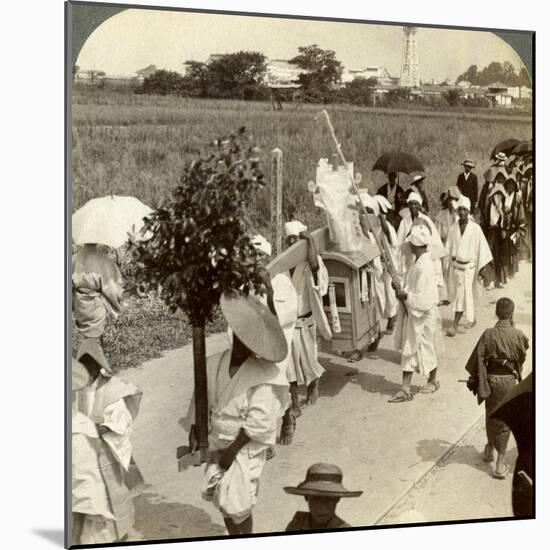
504, 73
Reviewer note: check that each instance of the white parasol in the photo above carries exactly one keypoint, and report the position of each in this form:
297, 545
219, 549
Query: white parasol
109, 220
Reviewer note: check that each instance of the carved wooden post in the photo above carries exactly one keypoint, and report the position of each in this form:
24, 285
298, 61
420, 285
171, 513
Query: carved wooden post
277, 199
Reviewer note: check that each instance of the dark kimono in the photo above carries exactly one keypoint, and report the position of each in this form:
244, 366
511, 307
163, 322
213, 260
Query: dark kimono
508, 346
302, 522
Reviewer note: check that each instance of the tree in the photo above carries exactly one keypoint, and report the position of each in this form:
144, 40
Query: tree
471, 75
76, 68
234, 73
322, 72
197, 247
453, 97
163, 82
359, 91
524, 78
195, 81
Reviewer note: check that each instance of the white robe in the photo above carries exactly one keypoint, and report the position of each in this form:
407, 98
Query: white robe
303, 367
254, 399
417, 329
469, 252
390, 299
436, 248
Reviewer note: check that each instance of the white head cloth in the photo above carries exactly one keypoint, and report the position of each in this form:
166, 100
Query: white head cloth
383, 203
294, 228
419, 235
414, 197
464, 202
262, 244
369, 201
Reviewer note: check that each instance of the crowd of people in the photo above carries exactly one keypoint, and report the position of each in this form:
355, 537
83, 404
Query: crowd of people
478, 237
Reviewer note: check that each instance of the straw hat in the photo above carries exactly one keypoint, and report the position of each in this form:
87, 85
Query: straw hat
498, 188
255, 326
323, 480
500, 156
417, 179
92, 348
79, 375
469, 163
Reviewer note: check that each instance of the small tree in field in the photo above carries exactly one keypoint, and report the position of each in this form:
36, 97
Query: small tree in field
197, 246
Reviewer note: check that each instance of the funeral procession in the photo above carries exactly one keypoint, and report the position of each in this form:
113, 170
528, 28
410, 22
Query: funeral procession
256, 352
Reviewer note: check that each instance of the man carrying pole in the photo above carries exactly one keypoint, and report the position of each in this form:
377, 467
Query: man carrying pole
247, 396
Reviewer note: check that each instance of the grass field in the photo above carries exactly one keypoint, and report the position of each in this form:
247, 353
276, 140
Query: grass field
137, 145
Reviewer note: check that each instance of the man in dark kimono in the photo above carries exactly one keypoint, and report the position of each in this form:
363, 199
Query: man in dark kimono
322, 490
396, 197
495, 367
467, 183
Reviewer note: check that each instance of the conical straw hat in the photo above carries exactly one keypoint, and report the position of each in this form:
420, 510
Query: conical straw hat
255, 326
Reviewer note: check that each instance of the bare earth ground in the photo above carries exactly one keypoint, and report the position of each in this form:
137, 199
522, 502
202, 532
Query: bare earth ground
384, 449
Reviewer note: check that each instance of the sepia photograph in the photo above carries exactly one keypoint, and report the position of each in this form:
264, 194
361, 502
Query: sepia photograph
300, 257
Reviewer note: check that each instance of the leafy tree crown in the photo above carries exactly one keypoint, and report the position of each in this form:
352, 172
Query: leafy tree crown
197, 246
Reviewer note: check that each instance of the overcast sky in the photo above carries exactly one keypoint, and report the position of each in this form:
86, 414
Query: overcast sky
136, 38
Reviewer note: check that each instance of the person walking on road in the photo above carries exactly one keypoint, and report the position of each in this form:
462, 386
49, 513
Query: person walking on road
495, 367
322, 490
395, 195
469, 252
310, 279
467, 183
418, 317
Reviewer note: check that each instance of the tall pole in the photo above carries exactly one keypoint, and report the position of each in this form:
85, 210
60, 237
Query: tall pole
277, 199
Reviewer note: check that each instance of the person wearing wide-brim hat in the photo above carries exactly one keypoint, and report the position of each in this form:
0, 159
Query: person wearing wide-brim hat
417, 186
322, 490
247, 396
467, 183
514, 224
494, 230
500, 159
110, 405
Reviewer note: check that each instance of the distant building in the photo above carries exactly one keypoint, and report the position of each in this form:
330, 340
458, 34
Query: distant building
281, 72
498, 93
214, 57
142, 74
381, 74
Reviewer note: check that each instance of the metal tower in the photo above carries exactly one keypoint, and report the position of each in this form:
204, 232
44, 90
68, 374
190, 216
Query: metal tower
410, 75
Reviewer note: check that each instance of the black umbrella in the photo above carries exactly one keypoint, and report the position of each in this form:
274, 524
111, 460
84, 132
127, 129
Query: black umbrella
523, 148
505, 147
396, 161
516, 410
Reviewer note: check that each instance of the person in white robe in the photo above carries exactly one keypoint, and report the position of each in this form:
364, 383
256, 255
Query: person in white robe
104, 411
443, 221
417, 317
388, 233
469, 252
285, 301
411, 217
310, 280
247, 396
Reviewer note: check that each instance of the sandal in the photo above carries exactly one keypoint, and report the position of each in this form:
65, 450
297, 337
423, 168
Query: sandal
401, 396
503, 474
430, 387
357, 355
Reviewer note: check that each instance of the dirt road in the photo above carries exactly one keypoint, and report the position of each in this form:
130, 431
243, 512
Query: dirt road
384, 449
